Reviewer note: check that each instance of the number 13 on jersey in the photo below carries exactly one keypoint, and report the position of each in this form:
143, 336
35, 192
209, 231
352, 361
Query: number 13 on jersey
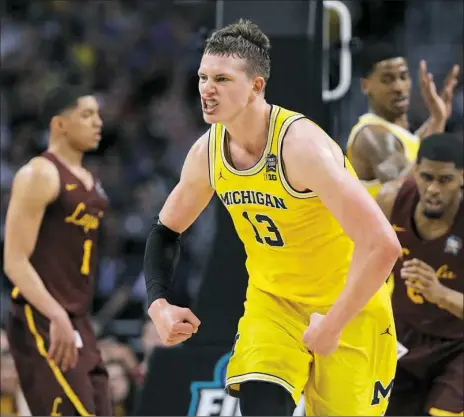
271, 236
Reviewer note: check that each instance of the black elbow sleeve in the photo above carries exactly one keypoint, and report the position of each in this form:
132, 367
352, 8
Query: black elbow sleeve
161, 257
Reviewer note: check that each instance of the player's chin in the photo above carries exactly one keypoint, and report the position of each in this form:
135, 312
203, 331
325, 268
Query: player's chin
399, 109
434, 213
92, 144
212, 118
90, 147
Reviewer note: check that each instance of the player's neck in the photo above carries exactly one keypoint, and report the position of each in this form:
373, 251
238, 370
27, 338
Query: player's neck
65, 153
427, 227
397, 120
250, 128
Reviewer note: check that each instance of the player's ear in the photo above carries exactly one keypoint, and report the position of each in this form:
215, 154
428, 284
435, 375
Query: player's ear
258, 85
365, 86
57, 123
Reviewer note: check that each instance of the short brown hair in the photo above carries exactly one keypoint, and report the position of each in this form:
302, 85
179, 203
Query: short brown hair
244, 40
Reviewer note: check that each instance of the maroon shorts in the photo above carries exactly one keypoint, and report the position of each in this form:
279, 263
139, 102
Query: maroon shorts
430, 377
49, 391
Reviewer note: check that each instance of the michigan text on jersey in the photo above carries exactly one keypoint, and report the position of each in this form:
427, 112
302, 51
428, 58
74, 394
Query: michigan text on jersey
252, 197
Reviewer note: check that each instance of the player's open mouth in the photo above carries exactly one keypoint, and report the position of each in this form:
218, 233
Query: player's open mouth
434, 204
401, 102
209, 105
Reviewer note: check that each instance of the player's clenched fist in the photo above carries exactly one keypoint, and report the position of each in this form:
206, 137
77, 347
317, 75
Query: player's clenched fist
173, 324
317, 339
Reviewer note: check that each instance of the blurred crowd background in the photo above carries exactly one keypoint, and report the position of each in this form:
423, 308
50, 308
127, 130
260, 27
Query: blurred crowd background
140, 58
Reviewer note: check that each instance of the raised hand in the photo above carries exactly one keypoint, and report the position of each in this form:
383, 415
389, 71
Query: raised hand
438, 105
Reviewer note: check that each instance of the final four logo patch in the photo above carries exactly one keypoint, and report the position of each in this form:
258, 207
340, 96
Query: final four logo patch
271, 168
453, 245
271, 163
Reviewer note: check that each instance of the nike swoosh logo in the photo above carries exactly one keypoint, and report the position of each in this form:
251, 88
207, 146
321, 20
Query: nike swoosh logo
70, 187
398, 228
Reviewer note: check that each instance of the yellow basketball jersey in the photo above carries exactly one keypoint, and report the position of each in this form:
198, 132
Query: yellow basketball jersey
409, 141
295, 248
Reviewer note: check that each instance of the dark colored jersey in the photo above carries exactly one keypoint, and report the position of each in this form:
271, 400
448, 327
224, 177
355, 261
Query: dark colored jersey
445, 254
65, 255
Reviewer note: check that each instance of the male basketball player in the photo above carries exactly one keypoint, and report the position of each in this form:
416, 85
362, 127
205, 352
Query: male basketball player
427, 212
380, 145
50, 255
316, 304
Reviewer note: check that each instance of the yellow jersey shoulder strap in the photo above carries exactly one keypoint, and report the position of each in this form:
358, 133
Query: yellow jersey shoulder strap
284, 121
212, 155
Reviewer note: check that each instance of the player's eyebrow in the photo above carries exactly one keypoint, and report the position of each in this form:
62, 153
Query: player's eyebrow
222, 74
391, 70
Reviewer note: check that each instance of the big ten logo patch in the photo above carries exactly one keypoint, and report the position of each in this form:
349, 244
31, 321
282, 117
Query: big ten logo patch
271, 168
209, 398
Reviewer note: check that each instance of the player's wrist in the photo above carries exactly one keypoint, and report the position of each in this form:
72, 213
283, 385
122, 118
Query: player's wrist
330, 325
57, 313
158, 305
437, 123
442, 297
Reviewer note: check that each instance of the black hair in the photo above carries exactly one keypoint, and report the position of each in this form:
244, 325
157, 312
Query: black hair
60, 99
375, 53
442, 147
245, 40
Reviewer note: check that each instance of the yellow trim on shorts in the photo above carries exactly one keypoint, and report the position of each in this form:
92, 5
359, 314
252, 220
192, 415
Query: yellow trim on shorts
438, 412
77, 403
257, 376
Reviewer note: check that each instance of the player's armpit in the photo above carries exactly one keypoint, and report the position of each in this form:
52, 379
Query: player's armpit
34, 187
375, 147
193, 192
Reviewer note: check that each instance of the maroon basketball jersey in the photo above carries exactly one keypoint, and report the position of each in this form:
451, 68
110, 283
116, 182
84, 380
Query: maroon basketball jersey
444, 254
65, 255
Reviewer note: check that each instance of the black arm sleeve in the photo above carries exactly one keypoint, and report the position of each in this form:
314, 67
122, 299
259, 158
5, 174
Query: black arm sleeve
161, 256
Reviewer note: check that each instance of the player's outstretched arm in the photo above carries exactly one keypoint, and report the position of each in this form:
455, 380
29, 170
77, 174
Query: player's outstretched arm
35, 186
188, 199
314, 161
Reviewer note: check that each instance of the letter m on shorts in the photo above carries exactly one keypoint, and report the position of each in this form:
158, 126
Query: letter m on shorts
381, 392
